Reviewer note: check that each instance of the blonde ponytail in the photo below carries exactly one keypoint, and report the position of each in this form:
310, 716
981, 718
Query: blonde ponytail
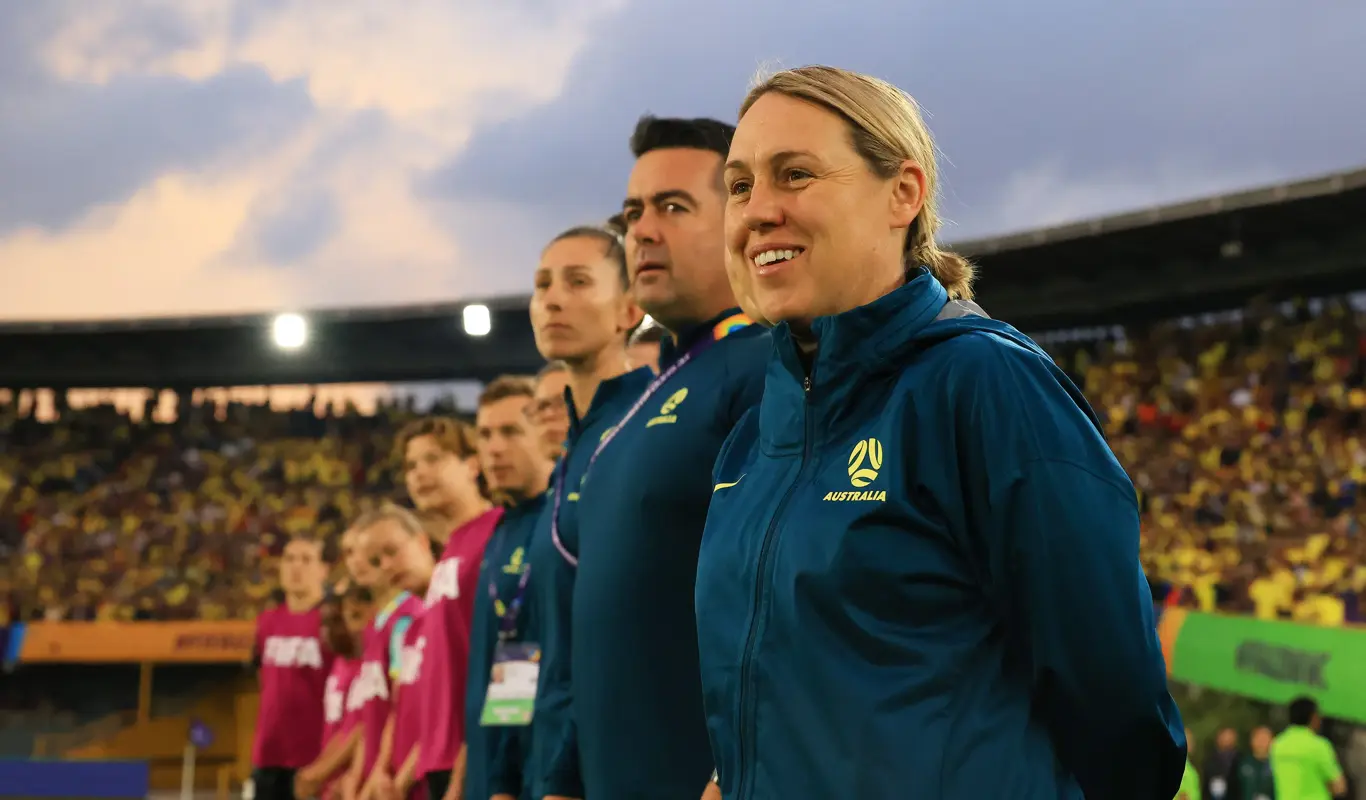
954, 272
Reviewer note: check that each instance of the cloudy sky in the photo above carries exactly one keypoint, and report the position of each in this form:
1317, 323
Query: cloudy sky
192, 156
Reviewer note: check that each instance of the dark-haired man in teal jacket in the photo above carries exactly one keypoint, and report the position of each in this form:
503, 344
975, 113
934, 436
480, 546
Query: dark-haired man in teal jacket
641, 730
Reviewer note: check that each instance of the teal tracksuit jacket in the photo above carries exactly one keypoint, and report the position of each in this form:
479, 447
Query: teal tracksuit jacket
555, 754
497, 756
637, 687
920, 576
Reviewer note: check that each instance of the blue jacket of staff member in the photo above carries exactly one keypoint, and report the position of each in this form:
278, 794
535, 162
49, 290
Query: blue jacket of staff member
920, 576
554, 764
497, 756
637, 686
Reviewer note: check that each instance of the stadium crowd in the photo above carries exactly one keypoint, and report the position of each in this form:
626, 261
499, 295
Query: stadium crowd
1243, 432
658, 634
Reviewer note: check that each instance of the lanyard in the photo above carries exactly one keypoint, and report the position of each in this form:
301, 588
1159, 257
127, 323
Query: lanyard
663, 378
508, 619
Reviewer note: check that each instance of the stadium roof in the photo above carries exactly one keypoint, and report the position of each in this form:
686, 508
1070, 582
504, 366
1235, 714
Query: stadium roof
1303, 238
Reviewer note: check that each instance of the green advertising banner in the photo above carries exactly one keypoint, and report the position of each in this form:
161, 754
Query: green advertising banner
1274, 662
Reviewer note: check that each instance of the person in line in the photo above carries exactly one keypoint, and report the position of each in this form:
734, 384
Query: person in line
404, 555
515, 464
1220, 774
920, 573
344, 620
547, 412
1303, 762
1255, 781
359, 570
441, 473
293, 666
359, 573
636, 682
372, 690
581, 313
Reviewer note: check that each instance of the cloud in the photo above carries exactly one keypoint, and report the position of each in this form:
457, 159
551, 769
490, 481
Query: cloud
162, 156
73, 147
205, 189
1083, 93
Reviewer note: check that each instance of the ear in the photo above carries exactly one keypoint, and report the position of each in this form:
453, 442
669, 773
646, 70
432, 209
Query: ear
472, 464
908, 194
630, 315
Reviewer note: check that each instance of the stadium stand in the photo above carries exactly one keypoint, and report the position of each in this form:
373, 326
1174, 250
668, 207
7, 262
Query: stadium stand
1240, 428
1219, 340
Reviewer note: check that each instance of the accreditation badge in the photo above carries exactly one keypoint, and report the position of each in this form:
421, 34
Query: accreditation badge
511, 697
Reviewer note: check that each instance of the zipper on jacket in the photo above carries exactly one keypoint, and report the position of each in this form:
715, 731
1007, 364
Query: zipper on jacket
747, 739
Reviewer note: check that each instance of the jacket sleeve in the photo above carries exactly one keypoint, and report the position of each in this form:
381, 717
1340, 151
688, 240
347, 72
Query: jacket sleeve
1056, 518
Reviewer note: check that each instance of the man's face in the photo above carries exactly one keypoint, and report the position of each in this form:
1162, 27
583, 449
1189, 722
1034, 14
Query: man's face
301, 567
434, 476
548, 412
1261, 742
675, 249
510, 453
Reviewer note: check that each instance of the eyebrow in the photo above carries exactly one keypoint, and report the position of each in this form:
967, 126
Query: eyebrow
778, 158
659, 198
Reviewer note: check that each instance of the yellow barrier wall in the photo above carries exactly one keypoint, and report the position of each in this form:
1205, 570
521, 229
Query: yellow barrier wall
138, 642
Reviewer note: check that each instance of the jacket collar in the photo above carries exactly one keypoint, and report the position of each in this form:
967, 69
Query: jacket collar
530, 505
869, 336
610, 393
851, 347
673, 347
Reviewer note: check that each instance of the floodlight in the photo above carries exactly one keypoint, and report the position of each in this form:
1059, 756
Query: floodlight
290, 331
477, 320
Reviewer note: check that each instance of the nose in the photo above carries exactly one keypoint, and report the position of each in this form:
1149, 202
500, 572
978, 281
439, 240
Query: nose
644, 229
552, 297
763, 208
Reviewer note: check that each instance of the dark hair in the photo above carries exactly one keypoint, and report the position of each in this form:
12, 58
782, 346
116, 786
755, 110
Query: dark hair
1303, 710
505, 386
661, 133
617, 224
612, 241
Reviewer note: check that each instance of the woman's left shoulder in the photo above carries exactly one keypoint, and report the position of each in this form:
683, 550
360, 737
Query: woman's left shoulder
985, 359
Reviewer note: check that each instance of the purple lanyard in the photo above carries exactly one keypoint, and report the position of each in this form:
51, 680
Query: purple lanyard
508, 619
611, 434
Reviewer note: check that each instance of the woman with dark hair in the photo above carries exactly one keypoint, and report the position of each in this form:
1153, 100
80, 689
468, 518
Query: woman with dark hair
581, 312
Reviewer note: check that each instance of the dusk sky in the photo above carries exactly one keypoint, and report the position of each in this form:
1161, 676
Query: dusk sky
174, 157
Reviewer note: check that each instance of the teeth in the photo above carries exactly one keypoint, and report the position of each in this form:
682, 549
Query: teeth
773, 256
